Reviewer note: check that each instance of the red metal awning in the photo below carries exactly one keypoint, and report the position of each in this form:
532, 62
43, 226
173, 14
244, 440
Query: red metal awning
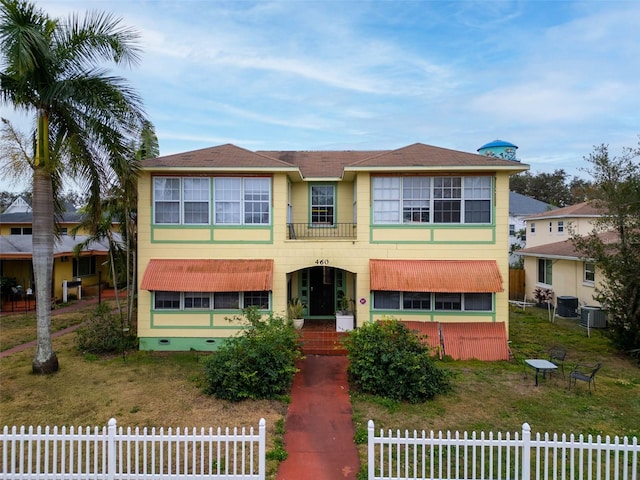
208, 275
450, 276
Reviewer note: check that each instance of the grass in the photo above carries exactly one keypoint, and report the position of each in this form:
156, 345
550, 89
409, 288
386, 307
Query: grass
164, 389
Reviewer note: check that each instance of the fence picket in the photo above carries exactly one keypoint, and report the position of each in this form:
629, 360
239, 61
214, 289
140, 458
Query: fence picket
410, 455
110, 452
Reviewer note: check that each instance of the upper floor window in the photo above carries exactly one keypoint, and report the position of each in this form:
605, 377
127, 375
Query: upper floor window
550, 227
187, 200
83, 266
322, 204
242, 200
512, 230
560, 226
424, 199
532, 227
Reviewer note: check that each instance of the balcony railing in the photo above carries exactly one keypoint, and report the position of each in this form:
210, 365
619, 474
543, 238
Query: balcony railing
313, 231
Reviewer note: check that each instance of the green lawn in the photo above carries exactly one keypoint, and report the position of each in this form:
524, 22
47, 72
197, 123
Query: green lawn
497, 396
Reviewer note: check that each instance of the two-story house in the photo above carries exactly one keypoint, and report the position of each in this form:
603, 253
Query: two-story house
550, 260
419, 233
87, 269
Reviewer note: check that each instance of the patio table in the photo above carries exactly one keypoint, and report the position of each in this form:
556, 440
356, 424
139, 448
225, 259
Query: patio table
541, 365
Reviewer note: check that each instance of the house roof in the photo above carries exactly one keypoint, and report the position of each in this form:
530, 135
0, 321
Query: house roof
328, 163
522, 205
562, 250
180, 275
331, 164
19, 247
471, 276
223, 156
420, 156
584, 209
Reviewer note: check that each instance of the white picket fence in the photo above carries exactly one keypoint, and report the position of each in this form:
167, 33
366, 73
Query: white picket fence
110, 453
404, 456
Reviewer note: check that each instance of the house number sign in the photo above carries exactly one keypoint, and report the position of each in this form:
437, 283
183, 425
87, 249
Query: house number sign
322, 261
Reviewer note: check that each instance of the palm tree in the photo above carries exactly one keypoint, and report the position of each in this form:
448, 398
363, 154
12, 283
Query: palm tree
52, 68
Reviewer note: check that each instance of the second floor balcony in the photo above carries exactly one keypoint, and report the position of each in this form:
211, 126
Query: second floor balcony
315, 231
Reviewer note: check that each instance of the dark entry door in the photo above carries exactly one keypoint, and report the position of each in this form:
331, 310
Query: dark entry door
322, 299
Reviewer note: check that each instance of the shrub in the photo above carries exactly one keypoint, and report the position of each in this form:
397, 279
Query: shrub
102, 331
260, 363
388, 360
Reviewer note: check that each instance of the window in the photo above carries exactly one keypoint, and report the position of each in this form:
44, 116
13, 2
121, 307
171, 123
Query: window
589, 272
477, 199
187, 200
201, 300
447, 193
385, 300
478, 302
84, 266
415, 199
512, 230
242, 200
256, 299
544, 271
210, 300
421, 199
448, 301
560, 226
532, 228
322, 204
166, 300
195, 194
166, 196
21, 231
550, 227
416, 301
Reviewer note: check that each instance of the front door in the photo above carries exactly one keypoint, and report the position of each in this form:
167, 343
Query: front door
322, 297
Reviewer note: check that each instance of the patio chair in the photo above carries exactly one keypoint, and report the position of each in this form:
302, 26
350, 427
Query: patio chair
584, 373
557, 354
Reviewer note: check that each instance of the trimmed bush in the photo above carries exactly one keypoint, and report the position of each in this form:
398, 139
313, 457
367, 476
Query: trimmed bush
260, 363
388, 360
102, 331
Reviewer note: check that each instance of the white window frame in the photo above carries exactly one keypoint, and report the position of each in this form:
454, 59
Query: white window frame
560, 227
328, 218
396, 301
211, 301
547, 272
450, 200
589, 273
237, 201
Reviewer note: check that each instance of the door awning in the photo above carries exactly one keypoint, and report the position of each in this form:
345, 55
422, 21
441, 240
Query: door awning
440, 276
177, 275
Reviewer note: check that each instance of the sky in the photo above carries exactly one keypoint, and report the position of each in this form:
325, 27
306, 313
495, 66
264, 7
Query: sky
554, 77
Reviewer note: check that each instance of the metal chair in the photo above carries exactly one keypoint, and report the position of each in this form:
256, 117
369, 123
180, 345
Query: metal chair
557, 354
584, 373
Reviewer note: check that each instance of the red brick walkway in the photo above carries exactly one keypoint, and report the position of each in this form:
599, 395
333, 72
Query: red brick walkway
319, 428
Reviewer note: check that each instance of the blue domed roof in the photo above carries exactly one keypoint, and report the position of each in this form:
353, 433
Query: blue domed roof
498, 143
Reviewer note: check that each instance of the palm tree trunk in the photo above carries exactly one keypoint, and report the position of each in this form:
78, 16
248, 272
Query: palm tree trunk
45, 360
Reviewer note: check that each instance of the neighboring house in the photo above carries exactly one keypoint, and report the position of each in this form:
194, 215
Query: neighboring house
521, 206
550, 259
419, 233
16, 252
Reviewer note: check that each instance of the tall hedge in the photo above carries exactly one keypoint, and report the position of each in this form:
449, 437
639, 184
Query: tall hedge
260, 363
388, 360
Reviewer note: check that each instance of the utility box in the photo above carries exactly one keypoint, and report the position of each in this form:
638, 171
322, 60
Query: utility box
568, 306
593, 317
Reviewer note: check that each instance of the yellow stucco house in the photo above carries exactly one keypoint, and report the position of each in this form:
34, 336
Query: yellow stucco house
551, 262
87, 270
419, 233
